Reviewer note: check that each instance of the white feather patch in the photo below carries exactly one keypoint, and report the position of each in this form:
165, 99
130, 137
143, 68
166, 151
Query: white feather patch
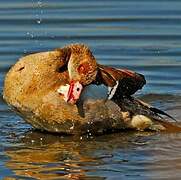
112, 90
64, 91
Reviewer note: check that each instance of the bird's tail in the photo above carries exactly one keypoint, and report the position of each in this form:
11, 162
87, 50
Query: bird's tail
138, 107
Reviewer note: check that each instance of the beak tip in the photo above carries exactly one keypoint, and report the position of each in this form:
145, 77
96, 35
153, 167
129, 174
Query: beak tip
74, 92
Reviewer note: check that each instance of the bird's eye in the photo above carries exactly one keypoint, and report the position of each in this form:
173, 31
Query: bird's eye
81, 69
78, 89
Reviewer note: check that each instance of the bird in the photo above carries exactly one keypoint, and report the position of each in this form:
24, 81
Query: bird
83, 70
46, 89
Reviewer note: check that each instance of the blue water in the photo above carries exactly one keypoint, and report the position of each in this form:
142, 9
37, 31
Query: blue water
141, 35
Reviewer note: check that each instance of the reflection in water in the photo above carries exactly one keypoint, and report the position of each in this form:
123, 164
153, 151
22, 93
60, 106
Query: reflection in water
46, 157
127, 155
49, 156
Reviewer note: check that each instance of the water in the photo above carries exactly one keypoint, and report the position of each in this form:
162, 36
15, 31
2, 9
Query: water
144, 36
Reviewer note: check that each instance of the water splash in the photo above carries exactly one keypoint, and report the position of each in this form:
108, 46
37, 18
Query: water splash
30, 34
39, 6
37, 10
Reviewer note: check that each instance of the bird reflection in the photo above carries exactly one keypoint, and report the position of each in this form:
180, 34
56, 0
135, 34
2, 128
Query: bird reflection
49, 156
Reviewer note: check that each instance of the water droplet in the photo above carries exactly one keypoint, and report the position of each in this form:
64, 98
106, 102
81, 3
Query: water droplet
39, 3
30, 34
38, 21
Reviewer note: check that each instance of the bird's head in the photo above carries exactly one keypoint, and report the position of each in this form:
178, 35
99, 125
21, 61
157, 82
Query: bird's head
82, 70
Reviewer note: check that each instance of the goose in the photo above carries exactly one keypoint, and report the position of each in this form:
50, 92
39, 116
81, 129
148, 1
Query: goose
47, 88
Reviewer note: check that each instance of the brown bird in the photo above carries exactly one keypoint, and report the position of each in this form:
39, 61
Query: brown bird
84, 70
33, 85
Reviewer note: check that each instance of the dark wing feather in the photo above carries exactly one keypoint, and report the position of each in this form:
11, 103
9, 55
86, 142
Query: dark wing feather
157, 111
129, 81
126, 83
136, 106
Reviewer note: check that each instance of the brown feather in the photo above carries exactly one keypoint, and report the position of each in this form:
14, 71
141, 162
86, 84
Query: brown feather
106, 78
129, 81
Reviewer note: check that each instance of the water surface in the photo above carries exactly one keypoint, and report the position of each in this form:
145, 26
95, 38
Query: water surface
144, 36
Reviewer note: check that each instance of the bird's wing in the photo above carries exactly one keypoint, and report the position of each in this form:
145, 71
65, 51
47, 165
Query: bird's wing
127, 82
156, 111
